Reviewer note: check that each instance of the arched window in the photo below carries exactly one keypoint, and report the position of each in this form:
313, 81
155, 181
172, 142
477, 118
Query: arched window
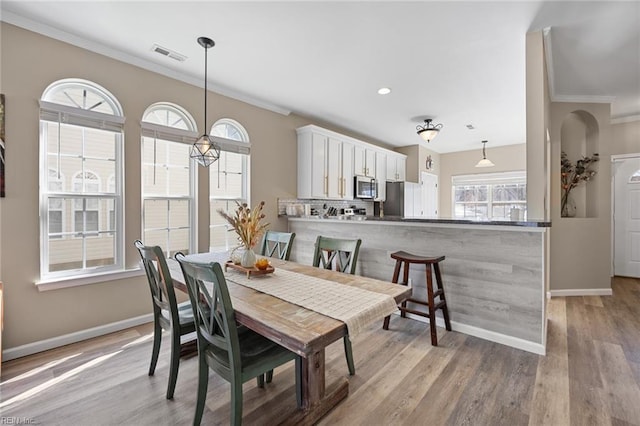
81, 127
228, 179
168, 178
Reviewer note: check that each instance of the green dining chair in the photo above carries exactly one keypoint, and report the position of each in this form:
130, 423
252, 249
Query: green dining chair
277, 244
167, 313
236, 356
342, 255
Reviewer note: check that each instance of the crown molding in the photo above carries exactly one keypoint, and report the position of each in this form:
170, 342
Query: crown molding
625, 119
54, 33
553, 95
583, 99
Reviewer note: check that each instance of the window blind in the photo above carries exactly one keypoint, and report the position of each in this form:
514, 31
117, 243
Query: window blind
490, 178
158, 131
58, 113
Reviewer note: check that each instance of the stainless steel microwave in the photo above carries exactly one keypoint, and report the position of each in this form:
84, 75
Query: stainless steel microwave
365, 188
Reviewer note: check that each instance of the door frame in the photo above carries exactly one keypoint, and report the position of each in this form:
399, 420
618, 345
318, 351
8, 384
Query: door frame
615, 158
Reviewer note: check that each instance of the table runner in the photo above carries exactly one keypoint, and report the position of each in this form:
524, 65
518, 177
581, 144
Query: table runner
354, 306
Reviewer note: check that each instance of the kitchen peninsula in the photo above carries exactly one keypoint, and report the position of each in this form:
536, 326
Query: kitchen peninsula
495, 273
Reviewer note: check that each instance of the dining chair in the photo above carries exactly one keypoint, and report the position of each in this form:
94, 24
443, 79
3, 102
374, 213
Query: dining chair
277, 244
236, 356
343, 255
167, 313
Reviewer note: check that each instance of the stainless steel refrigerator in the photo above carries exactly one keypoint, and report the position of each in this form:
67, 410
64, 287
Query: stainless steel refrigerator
394, 204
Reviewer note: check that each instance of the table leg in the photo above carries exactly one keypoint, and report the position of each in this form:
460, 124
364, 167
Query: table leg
314, 402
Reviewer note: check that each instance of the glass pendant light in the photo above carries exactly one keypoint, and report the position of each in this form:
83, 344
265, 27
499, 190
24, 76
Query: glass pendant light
205, 151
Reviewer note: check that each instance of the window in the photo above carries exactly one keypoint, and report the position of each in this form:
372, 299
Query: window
168, 178
80, 136
228, 180
489, 196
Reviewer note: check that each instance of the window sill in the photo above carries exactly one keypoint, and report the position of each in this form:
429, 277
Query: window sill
58, 283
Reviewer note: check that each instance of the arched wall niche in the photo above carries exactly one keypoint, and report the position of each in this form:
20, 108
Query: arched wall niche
579, 137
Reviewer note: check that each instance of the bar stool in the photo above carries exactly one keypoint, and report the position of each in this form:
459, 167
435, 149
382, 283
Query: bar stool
404, 258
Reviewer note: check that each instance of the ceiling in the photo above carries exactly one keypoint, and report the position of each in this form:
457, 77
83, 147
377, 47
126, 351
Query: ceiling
459, 63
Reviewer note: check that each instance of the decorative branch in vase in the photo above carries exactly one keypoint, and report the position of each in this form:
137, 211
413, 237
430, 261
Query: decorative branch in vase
571, 175
246, 222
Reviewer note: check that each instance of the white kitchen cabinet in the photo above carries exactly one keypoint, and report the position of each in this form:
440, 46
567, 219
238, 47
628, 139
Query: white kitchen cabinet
413, 200
396, 168
347, 171
325, 167
364, 161
381, 176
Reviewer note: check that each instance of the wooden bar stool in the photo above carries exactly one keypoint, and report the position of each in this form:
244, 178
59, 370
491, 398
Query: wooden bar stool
404, 258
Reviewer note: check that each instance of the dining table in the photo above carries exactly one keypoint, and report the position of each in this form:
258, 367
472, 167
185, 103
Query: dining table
295, 327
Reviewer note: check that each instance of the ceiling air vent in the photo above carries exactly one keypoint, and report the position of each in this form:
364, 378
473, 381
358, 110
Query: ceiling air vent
168, 53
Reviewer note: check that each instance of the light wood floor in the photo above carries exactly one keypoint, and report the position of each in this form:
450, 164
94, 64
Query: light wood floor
590, 376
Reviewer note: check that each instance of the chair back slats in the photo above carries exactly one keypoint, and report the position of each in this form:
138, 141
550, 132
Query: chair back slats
214, 314
159, 279
336, 253
277, 244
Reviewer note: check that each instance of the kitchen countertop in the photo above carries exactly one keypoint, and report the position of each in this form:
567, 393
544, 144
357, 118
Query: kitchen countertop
355, 218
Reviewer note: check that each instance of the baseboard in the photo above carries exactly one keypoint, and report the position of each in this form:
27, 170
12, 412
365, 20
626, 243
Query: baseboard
580, 292
66, 339
491, 336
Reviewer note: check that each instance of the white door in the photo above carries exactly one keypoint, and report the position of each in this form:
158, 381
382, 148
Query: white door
429, 195
626, 217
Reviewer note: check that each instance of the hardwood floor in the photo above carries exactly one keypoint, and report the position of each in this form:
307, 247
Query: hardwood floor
590, 376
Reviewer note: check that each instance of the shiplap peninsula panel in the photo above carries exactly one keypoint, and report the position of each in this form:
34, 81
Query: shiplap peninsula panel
494, 276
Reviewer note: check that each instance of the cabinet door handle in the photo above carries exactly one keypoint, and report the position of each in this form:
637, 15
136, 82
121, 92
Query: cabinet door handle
326, 185
344, 185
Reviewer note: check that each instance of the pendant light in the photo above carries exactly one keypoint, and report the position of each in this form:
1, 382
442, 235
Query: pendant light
428, 131
485, 162
205, 151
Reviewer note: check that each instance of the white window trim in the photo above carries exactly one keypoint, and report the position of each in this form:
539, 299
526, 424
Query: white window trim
86, 279
63, 114
238, 147
173, 135
498, 178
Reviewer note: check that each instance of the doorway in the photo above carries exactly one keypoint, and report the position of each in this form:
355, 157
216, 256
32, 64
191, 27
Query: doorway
626, 215
429, 195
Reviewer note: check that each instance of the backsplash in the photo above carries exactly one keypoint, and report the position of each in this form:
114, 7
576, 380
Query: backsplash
322, 207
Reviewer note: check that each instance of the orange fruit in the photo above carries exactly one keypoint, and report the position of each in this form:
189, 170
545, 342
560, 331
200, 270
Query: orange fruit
262, 263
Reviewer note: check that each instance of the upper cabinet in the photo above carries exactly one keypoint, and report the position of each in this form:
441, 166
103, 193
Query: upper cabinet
396, 167
328, 162
325, 167
364, 161
381, 176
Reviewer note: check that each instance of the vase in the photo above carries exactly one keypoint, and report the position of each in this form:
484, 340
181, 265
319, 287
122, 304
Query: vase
248, 258
569, 208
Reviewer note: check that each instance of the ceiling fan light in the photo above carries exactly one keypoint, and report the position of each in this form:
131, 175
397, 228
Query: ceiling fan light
428, 131
428, 134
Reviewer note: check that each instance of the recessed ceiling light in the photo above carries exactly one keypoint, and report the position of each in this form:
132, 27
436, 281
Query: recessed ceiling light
470, 127
384, 91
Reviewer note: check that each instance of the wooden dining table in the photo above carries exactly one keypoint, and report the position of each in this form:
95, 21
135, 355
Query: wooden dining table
303, 331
